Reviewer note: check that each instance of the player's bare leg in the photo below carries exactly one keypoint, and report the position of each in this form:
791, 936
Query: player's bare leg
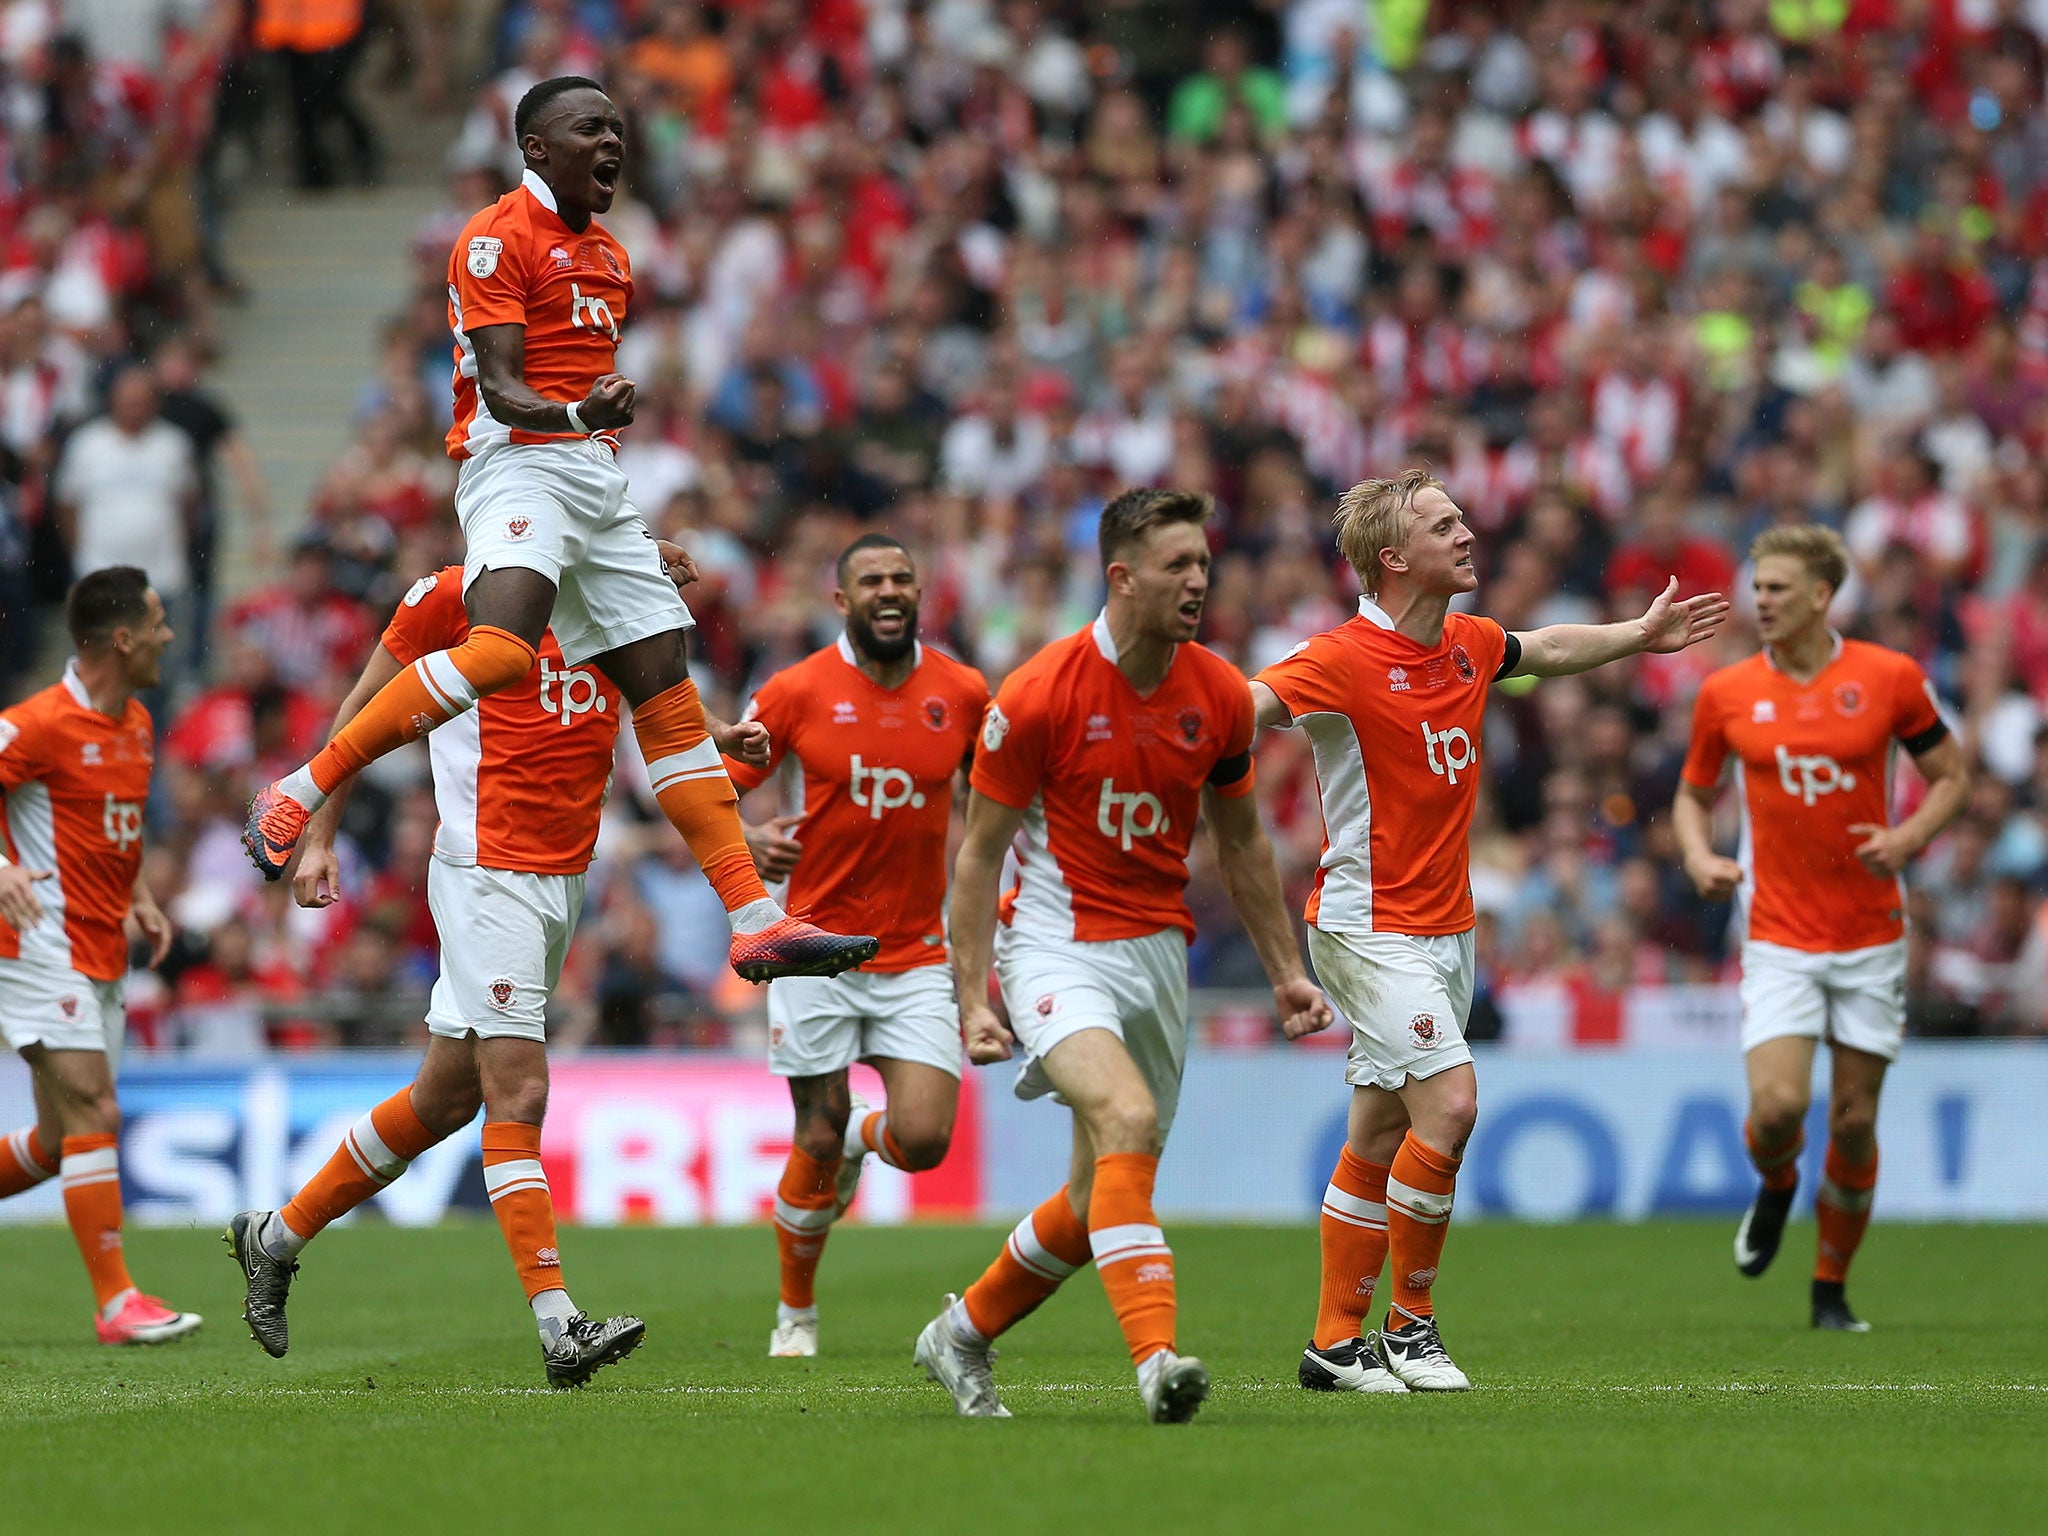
76, 1090
1343, 1355
443, 1097
1109, 1096
1848, 1180
1780, 1091
1421, 1181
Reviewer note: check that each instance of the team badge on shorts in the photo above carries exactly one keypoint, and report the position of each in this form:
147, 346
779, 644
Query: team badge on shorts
68, 1006
483, 255
1463, 663
935, 712
1423, 1028
1047, 1005
502, 993
519, 528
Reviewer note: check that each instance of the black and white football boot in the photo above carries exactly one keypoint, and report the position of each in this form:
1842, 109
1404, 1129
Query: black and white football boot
1831, 1309
1350, 1365
1762, 1229
1415, 1353
585, 1346
267, 1281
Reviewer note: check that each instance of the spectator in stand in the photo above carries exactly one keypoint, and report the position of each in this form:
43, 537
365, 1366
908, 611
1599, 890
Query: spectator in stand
306, 629
1663, 547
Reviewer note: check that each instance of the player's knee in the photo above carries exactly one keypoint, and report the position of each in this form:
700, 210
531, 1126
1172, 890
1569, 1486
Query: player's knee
1126, 1125
448, 1109
923, 1146
93, 1112
525, 1101
1852, 1124
818, 1139
1775, 1114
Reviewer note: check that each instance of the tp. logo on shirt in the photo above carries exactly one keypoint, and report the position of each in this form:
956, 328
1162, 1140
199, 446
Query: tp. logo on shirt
1457, 751
882, 789
1806, 778
1128, 816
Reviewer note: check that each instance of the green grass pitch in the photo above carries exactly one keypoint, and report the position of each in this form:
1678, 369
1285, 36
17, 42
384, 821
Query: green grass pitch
1628, 1380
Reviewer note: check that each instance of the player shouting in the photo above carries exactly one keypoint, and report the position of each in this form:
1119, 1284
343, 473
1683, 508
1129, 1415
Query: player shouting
520, 783
1102, 750
537, 293
1393, 703
878, 726
1811, 721
74, 776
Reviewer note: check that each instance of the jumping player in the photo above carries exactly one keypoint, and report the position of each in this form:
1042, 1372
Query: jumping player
1812, 721
1102, 751
520, 783
878, 726
1393, 703
75, 762
537, 293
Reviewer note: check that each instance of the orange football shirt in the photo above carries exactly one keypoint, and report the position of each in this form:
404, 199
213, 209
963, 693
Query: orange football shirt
877, 767
1812, 760
1395, 728
1110, 782
75, 782
520, 780
517, 263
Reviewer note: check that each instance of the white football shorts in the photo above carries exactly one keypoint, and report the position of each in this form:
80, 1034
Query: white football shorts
1406, 996
821, 1024
61, 1010
1137, 989
504, 936
1856, 997
561, 509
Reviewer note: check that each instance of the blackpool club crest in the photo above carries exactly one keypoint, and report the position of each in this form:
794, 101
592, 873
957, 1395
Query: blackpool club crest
483, 255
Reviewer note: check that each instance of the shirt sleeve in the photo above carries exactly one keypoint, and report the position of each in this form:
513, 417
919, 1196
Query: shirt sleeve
1916, 714
1010, 756
489, 272
429, 618
975, 699
1709, 747
1310, 679
21, 750
1231, 777
773, 706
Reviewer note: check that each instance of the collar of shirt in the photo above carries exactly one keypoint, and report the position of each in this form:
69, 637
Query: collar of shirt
851, 657
542, 192
1373, 613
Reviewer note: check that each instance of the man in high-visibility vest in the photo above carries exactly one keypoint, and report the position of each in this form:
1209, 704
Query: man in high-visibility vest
317, 43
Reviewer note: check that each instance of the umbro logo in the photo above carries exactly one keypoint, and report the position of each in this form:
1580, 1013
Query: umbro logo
1397, 679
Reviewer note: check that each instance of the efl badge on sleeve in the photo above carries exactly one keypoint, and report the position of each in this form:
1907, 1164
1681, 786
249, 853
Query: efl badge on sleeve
483, 255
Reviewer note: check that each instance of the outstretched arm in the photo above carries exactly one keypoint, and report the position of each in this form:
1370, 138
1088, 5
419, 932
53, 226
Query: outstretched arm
1244, 855
317, 880
971, 923
1558, 649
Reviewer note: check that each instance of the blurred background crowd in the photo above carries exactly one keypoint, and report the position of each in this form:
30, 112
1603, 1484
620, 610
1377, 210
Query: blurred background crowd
1640, 279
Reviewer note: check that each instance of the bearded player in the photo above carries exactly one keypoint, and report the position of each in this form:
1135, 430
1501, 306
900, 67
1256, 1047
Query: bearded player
537, 293
1096, 759
877, 726
75, 762
520, 783
1813, 722
1393, 703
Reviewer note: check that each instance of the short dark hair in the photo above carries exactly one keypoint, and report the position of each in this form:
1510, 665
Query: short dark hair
1132, 515
103, 601
534, 100
867, 541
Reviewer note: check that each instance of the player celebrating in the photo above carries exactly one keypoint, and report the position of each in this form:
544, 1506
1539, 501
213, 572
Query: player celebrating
537, 292
74, 776
1811, 720
878, 726
1394, 702
520, 783
1103, 749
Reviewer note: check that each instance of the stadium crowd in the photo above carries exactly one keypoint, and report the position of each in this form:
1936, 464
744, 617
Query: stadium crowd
1639, 279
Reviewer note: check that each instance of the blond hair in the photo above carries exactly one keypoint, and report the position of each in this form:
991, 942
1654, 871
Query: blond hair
1819, 549
1368, 520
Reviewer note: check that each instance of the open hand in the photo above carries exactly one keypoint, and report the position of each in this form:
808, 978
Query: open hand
156, 929
18, 905
1672, 626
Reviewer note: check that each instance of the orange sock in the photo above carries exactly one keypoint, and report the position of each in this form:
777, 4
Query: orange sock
434, 689
1047, 1246
871, 1134
520, 1200
1419, 1187
804, 1202
91, 1166
695, 794
1843, 1210
24, 1161
1354, 1234
376, 1150
1131, 1253
1778, 1164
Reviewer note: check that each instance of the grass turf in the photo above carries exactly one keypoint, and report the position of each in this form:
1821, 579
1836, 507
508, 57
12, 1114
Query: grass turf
1628, 1380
